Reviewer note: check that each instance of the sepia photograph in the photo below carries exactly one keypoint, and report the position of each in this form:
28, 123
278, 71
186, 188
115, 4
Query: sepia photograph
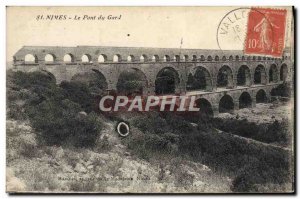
150, 100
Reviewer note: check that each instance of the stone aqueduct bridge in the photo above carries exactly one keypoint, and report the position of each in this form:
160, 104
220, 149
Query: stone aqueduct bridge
249, 78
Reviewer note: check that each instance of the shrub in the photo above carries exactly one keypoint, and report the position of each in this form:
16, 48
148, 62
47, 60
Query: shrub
58, 123
86, 131
155, 142
79, 93
283, 90
15, 111
130, 82
178, 124
36, 87
52, 110
151, 122
27, 89
276, 132
28, 80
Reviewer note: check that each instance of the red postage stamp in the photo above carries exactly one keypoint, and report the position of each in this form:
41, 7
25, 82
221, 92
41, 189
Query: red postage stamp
265, 32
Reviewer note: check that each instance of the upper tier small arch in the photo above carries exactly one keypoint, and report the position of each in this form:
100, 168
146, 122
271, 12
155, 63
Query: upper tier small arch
102, 58
86, 58
143, 58
68, 58
117, 58
167, 58
49, 58
155, 58
30, 58
130, 58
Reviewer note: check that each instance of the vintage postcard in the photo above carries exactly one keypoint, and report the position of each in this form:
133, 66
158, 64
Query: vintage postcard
150, 100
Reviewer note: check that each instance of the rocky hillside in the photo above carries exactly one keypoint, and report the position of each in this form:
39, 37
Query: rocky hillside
111, 168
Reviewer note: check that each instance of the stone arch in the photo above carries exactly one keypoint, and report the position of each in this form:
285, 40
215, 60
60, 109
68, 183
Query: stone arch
51, 75
84, 76
186, 58
167, 58
245, 100
69, 58
194, 58
132, 82
209, 58
143, 58
130, 58
199, 80
226, 104
225, 77
155, 58
50, 58
217, 58
94, 80
205, 107
283, 72
30, 58
202, 58
280, 91
244, 76
117, 58
237, 57
48, 74
224, 58
177, 58
230, 58
86, 58
166, 81
260, 76
243, 57
261, 96
102, 58
273, 73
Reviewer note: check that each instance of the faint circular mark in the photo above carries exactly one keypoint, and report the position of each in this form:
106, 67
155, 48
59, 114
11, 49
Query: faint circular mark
123, 129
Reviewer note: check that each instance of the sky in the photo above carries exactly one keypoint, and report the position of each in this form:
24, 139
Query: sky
137, 27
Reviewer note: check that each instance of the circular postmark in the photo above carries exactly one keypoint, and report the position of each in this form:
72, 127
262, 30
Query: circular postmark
234, 29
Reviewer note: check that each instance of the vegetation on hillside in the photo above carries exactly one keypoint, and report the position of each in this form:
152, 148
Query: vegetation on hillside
64, 116
278, 132
250, 165
53, 111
